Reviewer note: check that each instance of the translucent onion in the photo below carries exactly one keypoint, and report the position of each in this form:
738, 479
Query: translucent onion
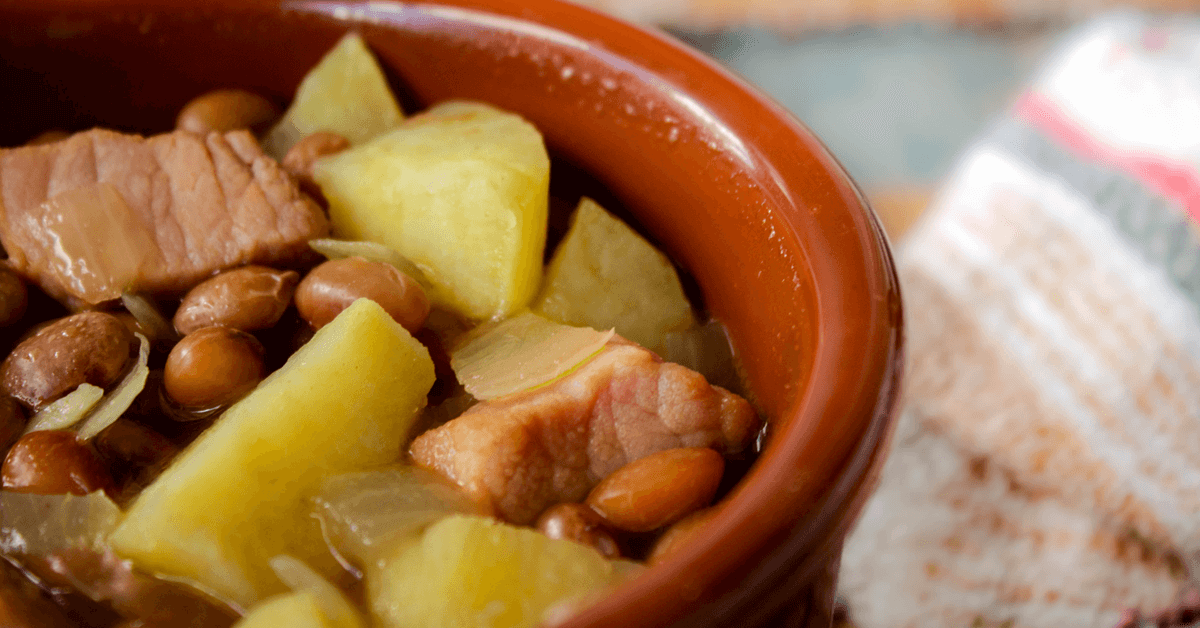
298, 576
371, 251
706, 350
521, 353
40, 524
364, 514
67, 411
121, 397
149, 318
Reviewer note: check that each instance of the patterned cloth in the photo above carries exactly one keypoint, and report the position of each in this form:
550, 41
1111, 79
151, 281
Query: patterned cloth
1048, 468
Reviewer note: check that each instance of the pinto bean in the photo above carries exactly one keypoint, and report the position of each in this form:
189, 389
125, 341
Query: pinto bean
248, 298
213, 366
334, 285
135, 444
302, 155
53, 462
13, 297
579, 523
679, 534
48, 137
225, 110
659, 489
89, 347
12, 422
136, 454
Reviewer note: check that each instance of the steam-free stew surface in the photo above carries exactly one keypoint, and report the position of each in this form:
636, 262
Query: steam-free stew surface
290, 364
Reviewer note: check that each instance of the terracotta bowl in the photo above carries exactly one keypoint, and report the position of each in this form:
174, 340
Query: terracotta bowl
782, 246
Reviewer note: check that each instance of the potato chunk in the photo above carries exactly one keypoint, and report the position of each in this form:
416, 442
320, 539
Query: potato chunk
604, 275
293, 610
314, 601
474, 572
345, 93
462, 191
239, 495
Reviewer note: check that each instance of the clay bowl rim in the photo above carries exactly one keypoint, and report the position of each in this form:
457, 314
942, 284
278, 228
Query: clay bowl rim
808, 485
847, 437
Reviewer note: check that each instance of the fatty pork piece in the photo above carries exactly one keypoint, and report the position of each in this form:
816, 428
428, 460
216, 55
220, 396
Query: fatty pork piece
101, 213
527, 451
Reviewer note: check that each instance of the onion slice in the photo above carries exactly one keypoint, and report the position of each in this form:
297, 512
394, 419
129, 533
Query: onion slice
364, 514
121, 397
371, 251
67, 411
521, 353
37, 525
149, 318
706, 350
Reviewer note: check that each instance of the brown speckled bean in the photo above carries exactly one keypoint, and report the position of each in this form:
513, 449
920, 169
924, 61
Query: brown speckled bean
334, 285
13, 297
659, 489
679, 534
213, 366
89, 347
53, 462
248, 298
302, 155
225, 110
12, 422
48, 137
579, 523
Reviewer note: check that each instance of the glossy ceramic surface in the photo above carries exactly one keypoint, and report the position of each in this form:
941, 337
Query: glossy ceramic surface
784, 249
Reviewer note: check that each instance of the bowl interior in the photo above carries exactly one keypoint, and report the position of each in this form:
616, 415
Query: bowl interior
782, 247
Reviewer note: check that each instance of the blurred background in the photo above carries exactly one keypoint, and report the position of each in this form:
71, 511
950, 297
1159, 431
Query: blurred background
900, 91
895, 88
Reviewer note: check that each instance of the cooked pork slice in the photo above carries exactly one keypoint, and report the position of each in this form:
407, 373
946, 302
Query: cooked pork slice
530, 450
101, 212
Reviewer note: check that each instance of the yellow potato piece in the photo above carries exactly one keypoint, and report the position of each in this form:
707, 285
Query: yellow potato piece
239, 495
331, 604
604, 275
290, 610
474, 572
462, 191
345, 93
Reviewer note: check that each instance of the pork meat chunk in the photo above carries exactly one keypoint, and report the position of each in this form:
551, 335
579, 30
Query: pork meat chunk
101, 212
525, 452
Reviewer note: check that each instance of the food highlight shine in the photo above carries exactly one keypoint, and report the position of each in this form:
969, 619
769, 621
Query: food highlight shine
326, 381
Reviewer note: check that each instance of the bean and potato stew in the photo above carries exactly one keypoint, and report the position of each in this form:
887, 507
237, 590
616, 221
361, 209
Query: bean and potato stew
316, 368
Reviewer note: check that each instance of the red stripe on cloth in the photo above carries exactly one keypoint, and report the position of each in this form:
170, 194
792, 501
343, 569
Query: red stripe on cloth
1172, 179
